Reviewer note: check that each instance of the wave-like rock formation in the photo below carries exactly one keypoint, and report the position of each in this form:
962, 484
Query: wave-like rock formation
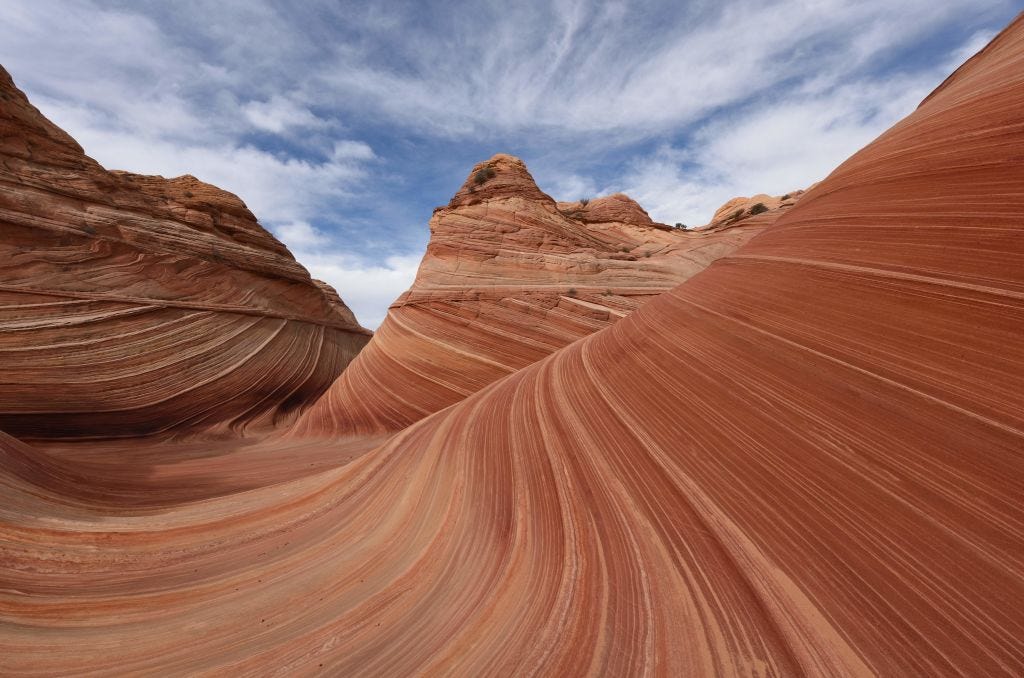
804, 460
134, 304
509, 277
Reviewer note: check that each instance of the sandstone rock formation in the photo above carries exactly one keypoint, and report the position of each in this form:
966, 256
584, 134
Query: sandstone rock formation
741, 208
509, 276
803, 460
133, 304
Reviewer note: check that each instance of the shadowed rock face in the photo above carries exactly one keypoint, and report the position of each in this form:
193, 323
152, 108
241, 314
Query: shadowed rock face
133, 304
509, 276
804, 460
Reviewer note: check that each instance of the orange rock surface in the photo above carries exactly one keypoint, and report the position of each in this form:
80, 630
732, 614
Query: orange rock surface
509, 277
744, 208
133, 304
804, 460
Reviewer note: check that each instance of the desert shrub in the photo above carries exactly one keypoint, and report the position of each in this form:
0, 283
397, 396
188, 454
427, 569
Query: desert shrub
572, 292
584, 202
483, 174
787, 196
758, 208
681, 226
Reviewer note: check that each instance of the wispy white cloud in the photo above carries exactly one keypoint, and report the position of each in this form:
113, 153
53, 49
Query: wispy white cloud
778, 144
348, 149
569, 187
582, 67
278, 114
367, 286
300, 235
313, 110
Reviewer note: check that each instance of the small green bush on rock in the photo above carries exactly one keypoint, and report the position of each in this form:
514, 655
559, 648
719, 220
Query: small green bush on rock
483, 174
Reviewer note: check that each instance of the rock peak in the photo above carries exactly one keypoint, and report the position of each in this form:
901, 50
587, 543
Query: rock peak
502, 176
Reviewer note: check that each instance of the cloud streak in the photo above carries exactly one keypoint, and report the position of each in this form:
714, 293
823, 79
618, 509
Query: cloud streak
779, 143
354, 119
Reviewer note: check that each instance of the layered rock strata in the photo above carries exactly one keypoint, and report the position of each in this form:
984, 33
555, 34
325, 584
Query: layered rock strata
135, 304
803, 460
509, 276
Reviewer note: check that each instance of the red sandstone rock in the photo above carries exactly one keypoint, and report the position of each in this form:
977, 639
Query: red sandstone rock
804, 460
133, 304
617, 208
509, 276
741, 208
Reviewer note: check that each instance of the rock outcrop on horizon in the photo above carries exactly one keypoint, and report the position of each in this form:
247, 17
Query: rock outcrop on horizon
805, 459
135, 304
509, 277
742, 208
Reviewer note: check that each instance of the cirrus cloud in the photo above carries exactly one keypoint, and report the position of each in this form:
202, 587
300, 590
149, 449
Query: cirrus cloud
342, 124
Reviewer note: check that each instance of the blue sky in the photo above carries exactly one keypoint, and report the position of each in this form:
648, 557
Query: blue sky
343, 124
